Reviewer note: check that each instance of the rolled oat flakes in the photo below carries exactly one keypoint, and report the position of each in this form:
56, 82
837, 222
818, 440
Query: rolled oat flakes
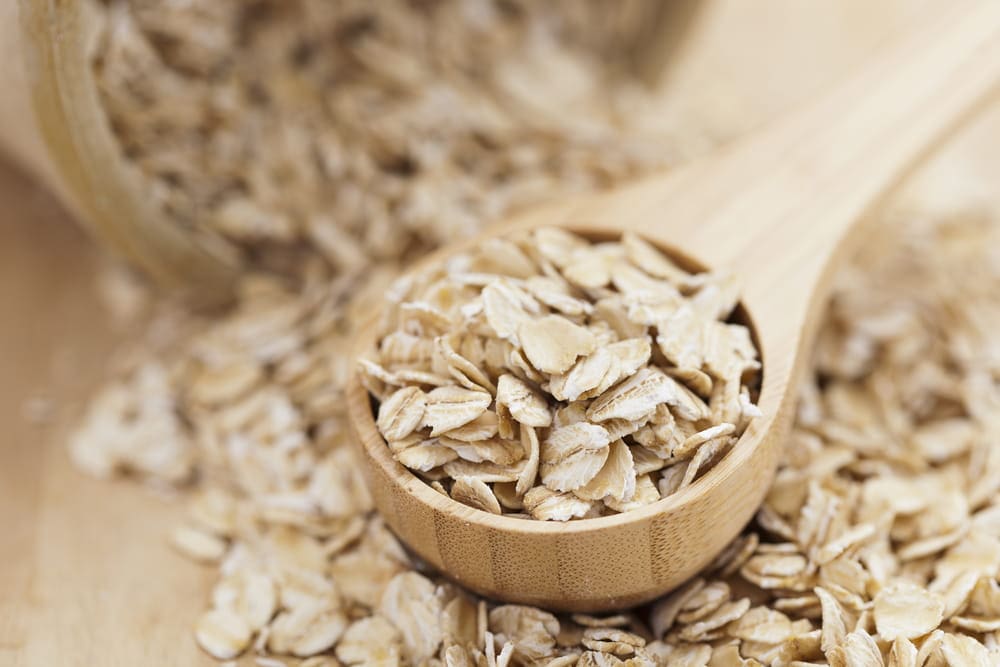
513, 365
879, 541
366, 130
875, 546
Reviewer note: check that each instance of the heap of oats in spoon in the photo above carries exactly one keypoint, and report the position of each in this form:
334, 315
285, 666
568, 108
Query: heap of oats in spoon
546, 376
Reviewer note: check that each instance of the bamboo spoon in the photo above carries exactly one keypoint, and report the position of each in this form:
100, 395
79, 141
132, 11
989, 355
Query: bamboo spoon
778, 209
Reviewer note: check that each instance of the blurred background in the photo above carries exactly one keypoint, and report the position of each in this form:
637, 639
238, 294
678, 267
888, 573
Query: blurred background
725, 67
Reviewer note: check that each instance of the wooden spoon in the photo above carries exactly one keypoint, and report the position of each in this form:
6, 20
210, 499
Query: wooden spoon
778, 209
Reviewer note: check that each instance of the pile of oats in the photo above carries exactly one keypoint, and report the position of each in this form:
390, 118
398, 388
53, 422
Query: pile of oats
549, 377
371, 130
878, 544
367, 130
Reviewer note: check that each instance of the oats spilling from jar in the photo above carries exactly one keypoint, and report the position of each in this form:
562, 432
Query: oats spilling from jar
546, 376
366, 130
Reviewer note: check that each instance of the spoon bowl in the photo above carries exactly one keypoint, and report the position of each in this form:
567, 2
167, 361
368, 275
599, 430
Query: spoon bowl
551, 564
780, 210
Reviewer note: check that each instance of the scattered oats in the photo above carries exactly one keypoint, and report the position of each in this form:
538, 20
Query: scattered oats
725, 614
612, 640
891, 478
198, 545
858, 649
138, 408
251, 595
370, 641
733, 557
906, 610
312, 626
411, 604
903, 653
687, 655
269, 662
835, 620
762, 625
460, 619
853, 537
665, 610
598, 659
222, 634
588, 621
532, 631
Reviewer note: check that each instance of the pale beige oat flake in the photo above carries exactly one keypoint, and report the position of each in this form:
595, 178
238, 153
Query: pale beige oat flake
222, 633
475, 493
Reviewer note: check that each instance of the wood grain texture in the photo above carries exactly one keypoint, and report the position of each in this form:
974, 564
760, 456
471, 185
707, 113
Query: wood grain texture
86, 576
779, 209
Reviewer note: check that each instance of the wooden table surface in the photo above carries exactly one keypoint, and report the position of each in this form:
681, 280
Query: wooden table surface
86, 576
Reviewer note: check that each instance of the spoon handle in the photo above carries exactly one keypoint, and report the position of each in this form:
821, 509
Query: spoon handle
795, 192
779, 205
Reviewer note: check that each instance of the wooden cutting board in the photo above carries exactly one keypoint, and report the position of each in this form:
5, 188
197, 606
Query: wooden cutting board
86, 575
